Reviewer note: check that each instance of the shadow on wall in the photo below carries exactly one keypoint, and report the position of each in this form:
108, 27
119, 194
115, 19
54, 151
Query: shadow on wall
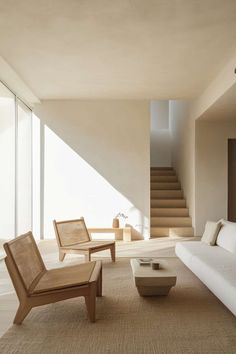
112, 136
138, 223
73, 188
135, 234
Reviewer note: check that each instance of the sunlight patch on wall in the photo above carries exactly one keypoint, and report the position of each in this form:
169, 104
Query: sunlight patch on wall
72, 188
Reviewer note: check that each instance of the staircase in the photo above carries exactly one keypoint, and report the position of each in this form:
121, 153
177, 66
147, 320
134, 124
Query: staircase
169, 214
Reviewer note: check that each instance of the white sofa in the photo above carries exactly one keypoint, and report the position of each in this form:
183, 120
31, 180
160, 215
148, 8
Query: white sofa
215, 265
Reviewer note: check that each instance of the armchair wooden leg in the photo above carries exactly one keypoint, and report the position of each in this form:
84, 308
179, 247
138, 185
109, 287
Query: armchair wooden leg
90, 301
113, 253
99, 284
61, 256
88, 257
21, 313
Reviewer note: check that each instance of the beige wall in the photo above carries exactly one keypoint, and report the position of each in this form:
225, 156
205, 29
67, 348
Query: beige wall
199, 155
211, 170
112, 136
16, 84
183, 150
223, 81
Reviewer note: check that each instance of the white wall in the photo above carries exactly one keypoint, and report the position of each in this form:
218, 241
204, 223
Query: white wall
111, 138
160, 134
159, 110
211, 170
183, 150
161, 148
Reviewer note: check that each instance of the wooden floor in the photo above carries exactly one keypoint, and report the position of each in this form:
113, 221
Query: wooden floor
9, 302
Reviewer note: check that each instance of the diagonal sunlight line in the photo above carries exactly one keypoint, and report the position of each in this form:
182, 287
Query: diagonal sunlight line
94, 196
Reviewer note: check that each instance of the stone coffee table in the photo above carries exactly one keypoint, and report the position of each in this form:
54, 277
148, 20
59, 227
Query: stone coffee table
150, 282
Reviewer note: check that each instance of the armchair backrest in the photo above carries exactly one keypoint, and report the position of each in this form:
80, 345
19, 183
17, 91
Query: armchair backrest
71, 232
23, 260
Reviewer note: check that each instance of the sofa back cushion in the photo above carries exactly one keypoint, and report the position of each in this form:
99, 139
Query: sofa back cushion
227, 236
211, 232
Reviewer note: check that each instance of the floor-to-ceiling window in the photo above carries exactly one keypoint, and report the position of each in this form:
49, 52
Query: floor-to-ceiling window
24, 168
16, 165
7, 160
37, 197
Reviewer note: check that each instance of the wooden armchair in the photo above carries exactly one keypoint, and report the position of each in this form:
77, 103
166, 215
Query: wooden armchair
36, 286
73, 237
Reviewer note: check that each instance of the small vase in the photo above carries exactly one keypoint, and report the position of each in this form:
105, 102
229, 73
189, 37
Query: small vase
115, 223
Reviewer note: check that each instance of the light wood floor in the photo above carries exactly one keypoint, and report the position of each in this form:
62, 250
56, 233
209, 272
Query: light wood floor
8, 301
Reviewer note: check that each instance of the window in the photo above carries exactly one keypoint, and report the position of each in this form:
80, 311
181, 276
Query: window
24, 169
7, 159
16, 165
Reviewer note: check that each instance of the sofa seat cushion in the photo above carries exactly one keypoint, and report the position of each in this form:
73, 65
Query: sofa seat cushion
214, 266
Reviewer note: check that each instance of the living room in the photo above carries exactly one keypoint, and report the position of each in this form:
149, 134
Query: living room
78, 80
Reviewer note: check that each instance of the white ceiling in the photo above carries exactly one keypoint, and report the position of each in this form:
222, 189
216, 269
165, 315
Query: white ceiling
154, 49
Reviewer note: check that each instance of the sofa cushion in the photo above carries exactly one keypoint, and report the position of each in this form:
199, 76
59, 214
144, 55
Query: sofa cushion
227, 236
211, 232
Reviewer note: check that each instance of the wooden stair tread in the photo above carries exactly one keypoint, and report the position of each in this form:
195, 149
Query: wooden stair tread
165, 186
165, 179
179, 221
166, 194
171, 231
168, 203
162, 173
161, 168
177, 212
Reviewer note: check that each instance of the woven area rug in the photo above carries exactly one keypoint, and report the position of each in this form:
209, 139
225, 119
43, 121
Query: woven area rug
189, 320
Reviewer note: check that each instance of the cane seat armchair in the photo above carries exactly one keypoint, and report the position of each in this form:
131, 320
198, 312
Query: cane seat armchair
36, 286
73, 237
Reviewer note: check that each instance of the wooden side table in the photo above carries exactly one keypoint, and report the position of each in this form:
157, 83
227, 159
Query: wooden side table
123, 233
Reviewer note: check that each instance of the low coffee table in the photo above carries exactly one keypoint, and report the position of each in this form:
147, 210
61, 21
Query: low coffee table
151, 282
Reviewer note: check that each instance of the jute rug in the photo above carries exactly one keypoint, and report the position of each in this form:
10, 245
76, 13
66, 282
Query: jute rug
189, 320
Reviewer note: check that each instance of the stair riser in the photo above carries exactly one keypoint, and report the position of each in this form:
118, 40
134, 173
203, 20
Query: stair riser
166, 194
163, 179
176, 212
165, 186
161, 168
171, 221
174, 231
168, 203
162, 173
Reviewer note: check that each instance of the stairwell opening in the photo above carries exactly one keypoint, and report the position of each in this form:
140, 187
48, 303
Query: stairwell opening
168, 209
